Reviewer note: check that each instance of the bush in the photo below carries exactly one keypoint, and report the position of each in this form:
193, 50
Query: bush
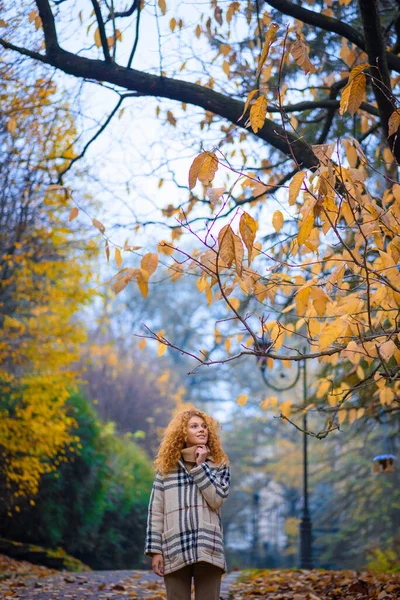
95, 505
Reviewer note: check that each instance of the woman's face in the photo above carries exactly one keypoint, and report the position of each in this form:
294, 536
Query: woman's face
196, 431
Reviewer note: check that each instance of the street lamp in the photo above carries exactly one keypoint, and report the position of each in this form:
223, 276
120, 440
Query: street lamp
305, 524
256, 521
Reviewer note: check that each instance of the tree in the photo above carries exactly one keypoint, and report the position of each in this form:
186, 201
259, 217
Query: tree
333, 258
42, 286
95, 505
128, 389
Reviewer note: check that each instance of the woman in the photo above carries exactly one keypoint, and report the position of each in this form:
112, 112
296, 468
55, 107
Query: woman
184, 529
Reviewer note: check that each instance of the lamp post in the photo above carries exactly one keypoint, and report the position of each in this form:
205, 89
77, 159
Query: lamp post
305, 524
256, 520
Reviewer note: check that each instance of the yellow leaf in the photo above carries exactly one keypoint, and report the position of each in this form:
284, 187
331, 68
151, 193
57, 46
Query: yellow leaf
208, 168
98, 225
161, 348
196, 170
299, 51
97, 38
201, 284
142, 344
149, 263
198, 32
266, 402
248, 228
323, 387
360, 412
118, 257
142, 280
235, 302
248, 100
257, 113
306, 228
295, 186
242, 399
209, 295
73, 214
320, 300
342, 416
163, 6
172, 24
360, 372
387, 349
285, 408
331, 333
269, 40
353, 92
351, 352
277, 220
228, 346
352, 156
301, 300
352, 415
357, 70
217, 336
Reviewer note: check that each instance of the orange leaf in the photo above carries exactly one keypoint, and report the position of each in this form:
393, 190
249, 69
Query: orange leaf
299, 51
149, 262
98, 225
277, 220
73, 214
393, 123
230, 248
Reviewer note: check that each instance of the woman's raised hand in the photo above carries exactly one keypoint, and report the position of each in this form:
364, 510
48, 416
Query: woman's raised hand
201, 454
157, 564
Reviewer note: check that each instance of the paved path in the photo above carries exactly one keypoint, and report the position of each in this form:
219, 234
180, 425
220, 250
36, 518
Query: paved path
95, 585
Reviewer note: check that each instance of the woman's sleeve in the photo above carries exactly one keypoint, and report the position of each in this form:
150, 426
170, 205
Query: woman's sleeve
155, 518
213, 485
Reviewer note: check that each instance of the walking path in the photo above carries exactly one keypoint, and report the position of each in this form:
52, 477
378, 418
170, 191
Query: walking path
95, 585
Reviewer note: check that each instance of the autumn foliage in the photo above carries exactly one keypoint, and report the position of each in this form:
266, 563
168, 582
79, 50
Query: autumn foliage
315, 276
45, 276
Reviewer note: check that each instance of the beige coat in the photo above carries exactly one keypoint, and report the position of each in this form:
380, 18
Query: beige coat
184, 522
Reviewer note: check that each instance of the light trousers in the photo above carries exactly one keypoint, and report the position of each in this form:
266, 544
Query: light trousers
207, 582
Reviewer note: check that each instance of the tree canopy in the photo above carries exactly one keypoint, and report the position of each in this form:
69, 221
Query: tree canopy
300, 111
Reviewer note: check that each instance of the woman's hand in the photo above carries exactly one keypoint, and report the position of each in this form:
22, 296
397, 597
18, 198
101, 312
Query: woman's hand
201, 454
157, 564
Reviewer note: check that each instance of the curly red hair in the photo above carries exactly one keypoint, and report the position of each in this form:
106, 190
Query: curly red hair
175, 437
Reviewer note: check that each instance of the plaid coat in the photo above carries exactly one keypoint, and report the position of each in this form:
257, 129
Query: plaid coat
184, 522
